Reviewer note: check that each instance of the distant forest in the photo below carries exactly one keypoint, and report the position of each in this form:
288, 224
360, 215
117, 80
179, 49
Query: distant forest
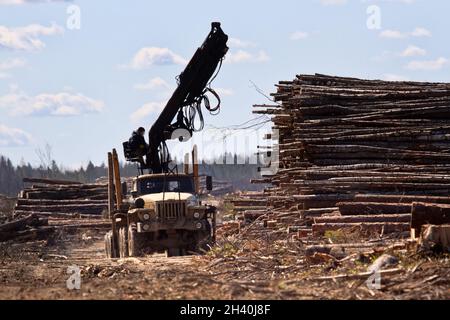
11, 176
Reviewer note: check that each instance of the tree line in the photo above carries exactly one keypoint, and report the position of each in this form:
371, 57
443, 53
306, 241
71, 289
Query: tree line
11, 176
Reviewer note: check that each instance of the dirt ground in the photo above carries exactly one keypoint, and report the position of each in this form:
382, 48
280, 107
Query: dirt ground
235, 269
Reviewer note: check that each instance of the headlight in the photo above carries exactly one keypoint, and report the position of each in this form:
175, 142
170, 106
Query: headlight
196, 215
192, 202
146, 215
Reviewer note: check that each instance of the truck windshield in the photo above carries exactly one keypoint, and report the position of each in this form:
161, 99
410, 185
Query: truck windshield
168, 184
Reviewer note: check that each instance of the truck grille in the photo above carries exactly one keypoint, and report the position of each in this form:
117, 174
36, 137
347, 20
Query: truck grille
171, 210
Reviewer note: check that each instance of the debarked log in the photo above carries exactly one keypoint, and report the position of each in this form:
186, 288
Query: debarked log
404, 218
84, 208
58, 215
56, 195
51, 181
366, 208
39, 202
319, 229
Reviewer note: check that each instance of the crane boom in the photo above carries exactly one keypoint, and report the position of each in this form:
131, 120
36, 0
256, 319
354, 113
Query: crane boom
192, 86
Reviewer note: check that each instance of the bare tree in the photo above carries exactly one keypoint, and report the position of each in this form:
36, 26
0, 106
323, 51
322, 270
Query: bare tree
45, 156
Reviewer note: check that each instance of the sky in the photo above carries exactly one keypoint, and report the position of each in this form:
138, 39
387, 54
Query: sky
81, 75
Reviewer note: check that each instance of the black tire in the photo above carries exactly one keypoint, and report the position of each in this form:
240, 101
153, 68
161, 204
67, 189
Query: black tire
123, 243
110, 253
136, 242
174, 252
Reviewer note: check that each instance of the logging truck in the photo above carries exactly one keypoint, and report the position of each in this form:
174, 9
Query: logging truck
163, 211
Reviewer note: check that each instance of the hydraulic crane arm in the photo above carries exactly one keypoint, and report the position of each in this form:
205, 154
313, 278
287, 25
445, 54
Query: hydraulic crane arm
192, 86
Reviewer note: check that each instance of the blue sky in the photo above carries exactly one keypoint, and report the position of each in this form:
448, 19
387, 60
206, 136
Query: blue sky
84, 90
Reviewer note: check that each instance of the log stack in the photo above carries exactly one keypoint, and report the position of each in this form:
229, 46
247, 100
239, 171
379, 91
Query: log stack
248, 206
360, 151
49, 207
47, 197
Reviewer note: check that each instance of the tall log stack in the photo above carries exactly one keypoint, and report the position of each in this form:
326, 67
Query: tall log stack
361, 151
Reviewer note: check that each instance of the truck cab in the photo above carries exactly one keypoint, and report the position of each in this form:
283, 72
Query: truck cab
163, 213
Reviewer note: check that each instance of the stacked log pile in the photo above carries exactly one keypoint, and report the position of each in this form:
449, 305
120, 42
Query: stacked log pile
359, 152
241, 209
61, 198
248, 206
54, 205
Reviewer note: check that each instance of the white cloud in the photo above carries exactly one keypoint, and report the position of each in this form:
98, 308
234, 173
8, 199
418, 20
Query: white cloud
413, 51
421, 32
333, 2
46, 104
392, 34
428, 65
238, 43
150, 56
12, 64
396, 34
19, 2
9, 65
299, 35
224, 91
392, 1
146, 110
152, 84
241, 56
11, 2
13, 137
394, 77
237, 54
27, 38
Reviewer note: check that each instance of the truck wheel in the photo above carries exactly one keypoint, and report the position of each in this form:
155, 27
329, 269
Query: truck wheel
109, 246
135, 242
173, 252
123, 243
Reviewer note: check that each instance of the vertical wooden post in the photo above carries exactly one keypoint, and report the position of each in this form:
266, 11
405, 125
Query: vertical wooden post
111, 206
214, 226
186, 163
117, 182
195, 169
